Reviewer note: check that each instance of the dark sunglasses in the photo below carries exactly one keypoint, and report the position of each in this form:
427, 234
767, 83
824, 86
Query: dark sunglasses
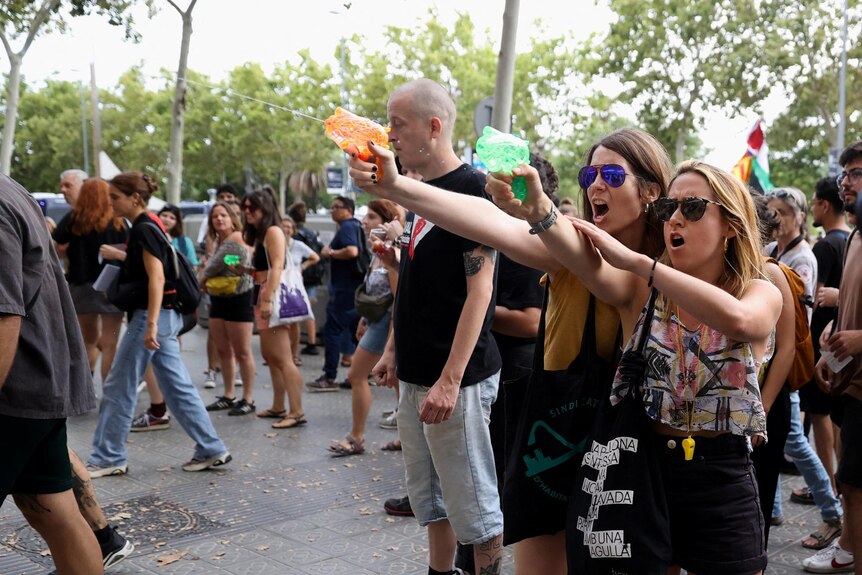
248, 207
614, 175
692, 208
788, 197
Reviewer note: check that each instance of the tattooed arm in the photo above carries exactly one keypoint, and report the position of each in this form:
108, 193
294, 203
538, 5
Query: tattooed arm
479, 269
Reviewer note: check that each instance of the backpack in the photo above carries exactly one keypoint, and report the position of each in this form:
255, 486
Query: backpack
802, 369
313, 275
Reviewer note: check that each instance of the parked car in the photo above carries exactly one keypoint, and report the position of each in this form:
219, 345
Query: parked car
53, 206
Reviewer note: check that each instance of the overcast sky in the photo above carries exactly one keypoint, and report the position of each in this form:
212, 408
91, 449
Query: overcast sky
228, 33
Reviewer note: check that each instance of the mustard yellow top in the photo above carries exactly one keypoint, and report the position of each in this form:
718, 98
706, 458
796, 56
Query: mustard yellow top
568, 305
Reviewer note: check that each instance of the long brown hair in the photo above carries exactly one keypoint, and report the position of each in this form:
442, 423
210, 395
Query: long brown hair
649, 160
234, 219
93, 212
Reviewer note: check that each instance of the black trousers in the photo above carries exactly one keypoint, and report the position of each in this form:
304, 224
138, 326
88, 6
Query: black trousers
767, 458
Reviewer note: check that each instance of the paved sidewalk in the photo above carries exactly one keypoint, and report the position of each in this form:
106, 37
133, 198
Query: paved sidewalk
283, 505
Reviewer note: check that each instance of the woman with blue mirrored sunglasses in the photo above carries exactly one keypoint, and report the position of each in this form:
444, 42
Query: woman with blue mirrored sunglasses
614, 175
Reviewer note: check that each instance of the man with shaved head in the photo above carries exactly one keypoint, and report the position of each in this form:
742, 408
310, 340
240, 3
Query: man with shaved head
441, 353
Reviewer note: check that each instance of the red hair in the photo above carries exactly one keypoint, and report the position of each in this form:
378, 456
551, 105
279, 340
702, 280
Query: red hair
93, 212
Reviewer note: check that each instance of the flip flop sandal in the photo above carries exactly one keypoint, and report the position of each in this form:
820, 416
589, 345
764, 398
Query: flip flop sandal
824, 536
290, 421
355, 447
269, 413
392, 446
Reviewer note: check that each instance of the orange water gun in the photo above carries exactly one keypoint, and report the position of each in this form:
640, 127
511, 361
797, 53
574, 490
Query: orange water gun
350, 131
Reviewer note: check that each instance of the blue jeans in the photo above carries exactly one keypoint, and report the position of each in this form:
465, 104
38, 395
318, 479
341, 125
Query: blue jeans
450, 465
339, 329
120, 392
810, 466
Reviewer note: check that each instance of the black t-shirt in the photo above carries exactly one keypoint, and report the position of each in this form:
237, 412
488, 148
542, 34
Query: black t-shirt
829, 252
517, 288
147, 233
432, 287
83, 251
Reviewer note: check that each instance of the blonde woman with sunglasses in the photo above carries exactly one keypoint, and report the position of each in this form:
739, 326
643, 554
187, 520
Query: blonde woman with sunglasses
712, 328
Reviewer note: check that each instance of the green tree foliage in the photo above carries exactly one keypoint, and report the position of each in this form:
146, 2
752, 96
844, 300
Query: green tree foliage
48, 139
678, 60
239, 130
800, 138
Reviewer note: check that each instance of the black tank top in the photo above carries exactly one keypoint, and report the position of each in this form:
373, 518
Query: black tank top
258, 259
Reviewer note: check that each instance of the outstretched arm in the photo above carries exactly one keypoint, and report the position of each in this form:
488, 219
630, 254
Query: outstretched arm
467, 216
749, 318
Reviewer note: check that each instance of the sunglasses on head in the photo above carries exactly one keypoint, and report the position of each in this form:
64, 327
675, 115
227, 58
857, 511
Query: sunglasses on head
692, 208
614, 175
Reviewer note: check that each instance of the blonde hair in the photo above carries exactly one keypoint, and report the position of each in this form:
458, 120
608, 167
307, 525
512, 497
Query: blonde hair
234, 219
743, 260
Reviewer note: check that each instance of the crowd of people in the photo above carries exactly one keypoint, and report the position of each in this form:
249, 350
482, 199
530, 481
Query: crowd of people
515, 331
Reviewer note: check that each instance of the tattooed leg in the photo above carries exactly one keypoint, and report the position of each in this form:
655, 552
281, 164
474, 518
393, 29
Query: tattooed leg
85, 495
71, 541
489, 556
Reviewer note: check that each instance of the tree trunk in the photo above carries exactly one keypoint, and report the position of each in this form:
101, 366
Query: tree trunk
175, 156
282, 186
13, 92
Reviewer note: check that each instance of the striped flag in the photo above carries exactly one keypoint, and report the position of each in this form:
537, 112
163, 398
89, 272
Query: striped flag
753, 167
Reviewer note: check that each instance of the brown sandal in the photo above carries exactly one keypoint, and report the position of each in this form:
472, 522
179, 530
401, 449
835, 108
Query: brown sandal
269, 413
394, 445
290, 421
354, 447
828, 532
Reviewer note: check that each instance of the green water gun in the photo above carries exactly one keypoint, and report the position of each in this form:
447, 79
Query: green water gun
502, 152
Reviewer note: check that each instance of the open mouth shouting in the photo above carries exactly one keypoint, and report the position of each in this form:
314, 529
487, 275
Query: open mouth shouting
600, 210
676, 240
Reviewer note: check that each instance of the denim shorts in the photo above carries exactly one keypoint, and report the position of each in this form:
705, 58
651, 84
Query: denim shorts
374, 339
850, 463
450, 465
715, 519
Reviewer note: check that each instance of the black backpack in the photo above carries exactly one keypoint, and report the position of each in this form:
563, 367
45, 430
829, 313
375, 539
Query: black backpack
313, 275
180, 281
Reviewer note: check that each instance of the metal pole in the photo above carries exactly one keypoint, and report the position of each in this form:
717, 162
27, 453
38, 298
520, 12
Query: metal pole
345, 169
842, 90
501, 115
97, 122
84, 138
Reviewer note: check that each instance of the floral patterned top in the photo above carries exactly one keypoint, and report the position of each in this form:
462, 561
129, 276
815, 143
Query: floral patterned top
712, 387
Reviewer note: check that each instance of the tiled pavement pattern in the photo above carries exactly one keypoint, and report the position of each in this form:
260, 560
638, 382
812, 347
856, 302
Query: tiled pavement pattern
283, 505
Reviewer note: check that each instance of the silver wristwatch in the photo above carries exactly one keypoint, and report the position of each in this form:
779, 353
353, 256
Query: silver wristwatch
546, 223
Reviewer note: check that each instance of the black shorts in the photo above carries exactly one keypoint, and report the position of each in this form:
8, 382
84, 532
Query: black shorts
237, 308
814, 400
34, 455
715, 519
850, 462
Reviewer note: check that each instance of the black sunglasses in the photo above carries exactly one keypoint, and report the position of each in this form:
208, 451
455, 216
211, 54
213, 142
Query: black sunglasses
614, 175
692, 208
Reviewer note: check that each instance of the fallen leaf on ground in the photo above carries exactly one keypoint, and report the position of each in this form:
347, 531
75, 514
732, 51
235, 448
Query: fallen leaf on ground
172, 558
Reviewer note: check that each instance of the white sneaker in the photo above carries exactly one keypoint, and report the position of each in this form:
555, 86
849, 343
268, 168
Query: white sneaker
389, 421
201, 464
96, 471
832, 559
210, 381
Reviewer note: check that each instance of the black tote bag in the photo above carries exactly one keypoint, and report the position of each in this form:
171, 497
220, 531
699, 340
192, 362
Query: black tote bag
553, 422
618, 517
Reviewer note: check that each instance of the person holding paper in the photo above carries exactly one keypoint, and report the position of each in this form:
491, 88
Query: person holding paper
80, 234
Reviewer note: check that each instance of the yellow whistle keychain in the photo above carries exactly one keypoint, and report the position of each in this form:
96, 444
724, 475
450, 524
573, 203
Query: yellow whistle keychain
688, 448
